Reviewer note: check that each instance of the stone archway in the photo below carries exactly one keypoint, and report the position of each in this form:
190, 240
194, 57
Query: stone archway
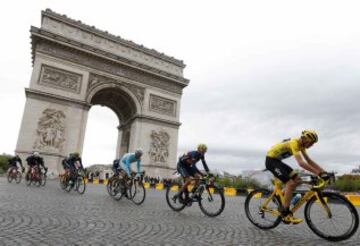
76, 66
125, 105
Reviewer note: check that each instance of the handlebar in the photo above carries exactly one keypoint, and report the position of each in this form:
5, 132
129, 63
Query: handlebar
317, 182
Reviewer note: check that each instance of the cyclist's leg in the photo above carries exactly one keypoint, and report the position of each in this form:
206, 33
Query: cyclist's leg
287, 175
289, 189
10, 169
125, 171
28, 172
186, 175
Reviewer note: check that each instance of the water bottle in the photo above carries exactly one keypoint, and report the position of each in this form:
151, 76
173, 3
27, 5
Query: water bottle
295, 199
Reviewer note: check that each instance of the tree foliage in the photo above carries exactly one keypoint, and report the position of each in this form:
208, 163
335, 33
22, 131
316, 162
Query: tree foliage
348, 183
4, 163
238, 182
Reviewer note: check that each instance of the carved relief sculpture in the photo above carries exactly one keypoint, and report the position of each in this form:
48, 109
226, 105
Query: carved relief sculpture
115, 69
162, 105
60, 79
51, 130
159, 146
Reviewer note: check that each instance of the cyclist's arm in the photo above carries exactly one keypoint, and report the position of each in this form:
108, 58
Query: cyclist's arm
20, 162
311, 162
138, 166
305, 165
43, 164
127, 167
81, 164
198, 171
205, 165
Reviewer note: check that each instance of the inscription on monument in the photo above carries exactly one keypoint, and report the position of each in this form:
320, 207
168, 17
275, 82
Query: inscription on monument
60, 79
51, 130
162, 105
159, 146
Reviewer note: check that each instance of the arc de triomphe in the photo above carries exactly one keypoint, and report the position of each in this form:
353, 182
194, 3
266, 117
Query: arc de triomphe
76, 66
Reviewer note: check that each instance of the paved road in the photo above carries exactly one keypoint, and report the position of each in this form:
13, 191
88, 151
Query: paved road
50, 216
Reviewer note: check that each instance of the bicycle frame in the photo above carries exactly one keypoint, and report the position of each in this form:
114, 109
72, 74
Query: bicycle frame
314, 191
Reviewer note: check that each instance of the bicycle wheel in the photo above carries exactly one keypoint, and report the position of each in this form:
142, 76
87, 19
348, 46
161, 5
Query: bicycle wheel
39, 181
9, 177
340, 222
118, 189
18, 177
138, 193
109, 186
175, 199
28, 179
70, 185
264, 217
63, 182
212, 200
43, 179
80, 185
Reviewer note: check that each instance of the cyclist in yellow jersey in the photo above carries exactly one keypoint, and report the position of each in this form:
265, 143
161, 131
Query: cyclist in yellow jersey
292, 147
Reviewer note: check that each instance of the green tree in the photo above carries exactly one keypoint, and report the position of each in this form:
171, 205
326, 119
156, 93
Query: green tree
348, 183
4, 163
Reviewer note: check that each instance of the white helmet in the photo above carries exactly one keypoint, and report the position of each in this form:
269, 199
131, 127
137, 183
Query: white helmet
36, 153
138, 152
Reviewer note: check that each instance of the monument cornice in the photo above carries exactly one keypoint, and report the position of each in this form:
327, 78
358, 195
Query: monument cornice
88, 48
105, 61
104, 34
31, 93
173, 124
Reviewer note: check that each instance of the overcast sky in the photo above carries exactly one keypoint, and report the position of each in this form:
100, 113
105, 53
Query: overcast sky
260, 71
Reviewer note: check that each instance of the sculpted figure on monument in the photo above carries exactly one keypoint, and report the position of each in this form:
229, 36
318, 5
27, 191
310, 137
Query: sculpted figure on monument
51, 130
159, 147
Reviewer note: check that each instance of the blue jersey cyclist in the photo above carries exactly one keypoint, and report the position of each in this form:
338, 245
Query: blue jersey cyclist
187, 167
129, 158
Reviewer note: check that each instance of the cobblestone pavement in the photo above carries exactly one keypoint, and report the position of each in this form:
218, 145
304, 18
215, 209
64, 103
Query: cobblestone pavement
50, 216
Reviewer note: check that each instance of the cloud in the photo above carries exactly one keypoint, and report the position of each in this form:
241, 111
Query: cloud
259, 73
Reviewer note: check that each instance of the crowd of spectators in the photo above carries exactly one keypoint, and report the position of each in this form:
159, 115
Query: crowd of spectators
166, 181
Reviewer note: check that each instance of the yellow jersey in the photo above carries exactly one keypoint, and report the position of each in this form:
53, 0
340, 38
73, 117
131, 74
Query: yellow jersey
285, 149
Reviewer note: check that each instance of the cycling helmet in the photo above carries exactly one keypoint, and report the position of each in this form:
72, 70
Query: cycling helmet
310, 135
138, 152
76, 154
36, 153
202, 147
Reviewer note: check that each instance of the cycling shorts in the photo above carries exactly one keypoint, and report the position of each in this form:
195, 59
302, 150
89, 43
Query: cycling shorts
186, 170
280, 170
